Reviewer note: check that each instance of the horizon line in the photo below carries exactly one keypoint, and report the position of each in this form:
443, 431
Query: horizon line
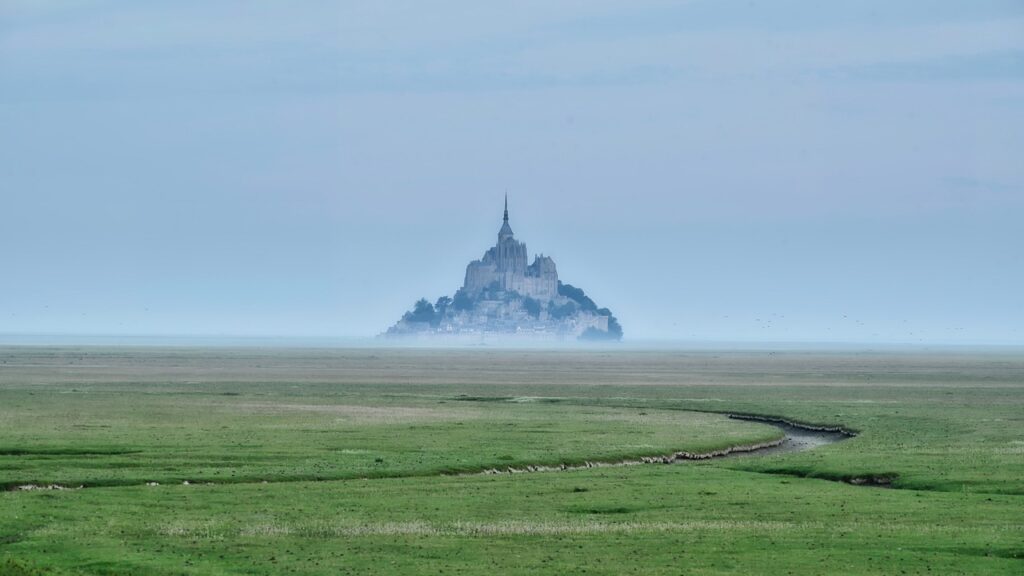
493, 341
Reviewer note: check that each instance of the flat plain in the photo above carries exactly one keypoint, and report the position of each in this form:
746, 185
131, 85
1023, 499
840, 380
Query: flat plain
366, 461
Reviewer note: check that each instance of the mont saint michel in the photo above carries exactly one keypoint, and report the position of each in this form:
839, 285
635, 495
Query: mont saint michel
503, 296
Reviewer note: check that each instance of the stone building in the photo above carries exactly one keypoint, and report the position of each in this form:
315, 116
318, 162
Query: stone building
502, 296
504, 266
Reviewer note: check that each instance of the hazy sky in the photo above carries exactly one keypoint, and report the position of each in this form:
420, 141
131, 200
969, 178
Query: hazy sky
709, 170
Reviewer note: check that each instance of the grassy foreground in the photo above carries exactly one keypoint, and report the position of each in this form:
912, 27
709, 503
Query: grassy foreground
303, 461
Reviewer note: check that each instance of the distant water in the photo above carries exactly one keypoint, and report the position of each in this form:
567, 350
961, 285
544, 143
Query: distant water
229, 341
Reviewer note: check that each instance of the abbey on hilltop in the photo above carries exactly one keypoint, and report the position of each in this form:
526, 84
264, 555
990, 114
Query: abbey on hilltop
504, 296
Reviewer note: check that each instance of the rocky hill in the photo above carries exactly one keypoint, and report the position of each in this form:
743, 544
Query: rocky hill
502, 295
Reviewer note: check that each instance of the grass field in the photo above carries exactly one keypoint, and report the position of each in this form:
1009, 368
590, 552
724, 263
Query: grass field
340, 461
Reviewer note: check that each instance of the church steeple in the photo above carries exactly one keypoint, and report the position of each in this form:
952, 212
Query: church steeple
506, 230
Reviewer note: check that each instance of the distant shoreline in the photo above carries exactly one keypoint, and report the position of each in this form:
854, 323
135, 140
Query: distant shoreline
486, 343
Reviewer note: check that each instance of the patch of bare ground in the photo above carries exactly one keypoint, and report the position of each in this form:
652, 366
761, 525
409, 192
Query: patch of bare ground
665, 459
31, 487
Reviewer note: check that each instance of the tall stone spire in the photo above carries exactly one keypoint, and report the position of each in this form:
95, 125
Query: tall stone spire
506, 230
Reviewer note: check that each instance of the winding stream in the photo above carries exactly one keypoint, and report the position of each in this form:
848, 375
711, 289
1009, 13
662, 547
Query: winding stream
798, 437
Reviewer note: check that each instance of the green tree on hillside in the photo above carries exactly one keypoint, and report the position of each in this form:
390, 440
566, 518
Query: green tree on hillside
422, 311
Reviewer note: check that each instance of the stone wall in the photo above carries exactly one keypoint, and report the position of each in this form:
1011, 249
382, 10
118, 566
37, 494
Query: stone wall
479, 275
506, 265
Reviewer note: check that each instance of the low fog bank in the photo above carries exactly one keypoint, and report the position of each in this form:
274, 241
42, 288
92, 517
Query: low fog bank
488, 343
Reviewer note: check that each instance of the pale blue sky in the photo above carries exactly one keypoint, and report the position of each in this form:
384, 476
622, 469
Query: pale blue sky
709, 170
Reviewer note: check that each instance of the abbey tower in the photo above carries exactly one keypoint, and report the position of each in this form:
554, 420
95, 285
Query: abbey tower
504, 266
